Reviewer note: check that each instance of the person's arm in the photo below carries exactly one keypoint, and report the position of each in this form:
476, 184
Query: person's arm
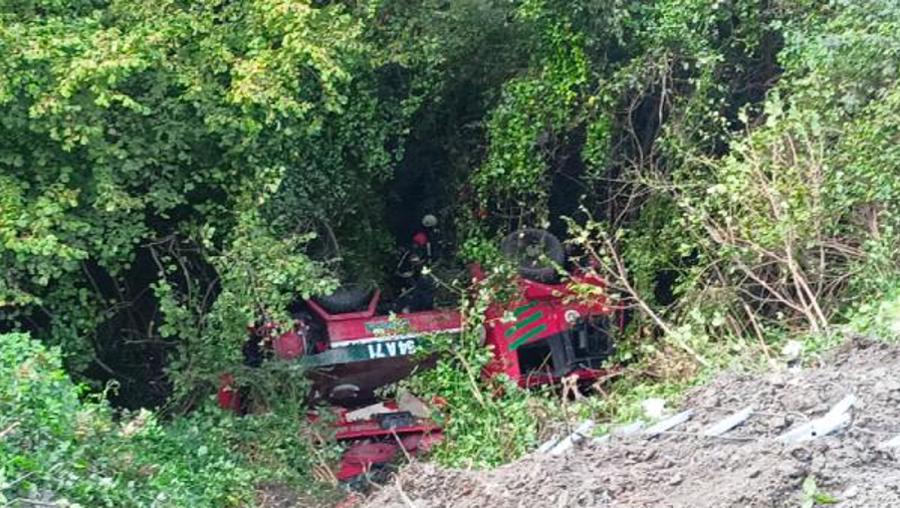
401, 265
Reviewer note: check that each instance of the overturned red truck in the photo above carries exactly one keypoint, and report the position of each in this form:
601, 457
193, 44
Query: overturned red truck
539, 336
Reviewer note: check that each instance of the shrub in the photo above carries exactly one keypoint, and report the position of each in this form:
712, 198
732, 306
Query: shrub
57, 447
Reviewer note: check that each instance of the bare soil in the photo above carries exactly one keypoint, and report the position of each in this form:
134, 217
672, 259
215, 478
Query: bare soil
745, 468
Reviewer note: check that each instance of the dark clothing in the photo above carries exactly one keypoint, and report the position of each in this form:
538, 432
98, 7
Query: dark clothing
419, 297
418, 287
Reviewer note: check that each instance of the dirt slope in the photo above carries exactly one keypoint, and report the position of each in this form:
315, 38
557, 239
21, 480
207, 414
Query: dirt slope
745, 469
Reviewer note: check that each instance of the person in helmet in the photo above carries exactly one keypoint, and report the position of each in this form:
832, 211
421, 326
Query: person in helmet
413, 269
431, 233
414, 258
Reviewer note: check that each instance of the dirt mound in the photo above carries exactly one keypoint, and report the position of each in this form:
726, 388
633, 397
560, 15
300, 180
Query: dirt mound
745, 468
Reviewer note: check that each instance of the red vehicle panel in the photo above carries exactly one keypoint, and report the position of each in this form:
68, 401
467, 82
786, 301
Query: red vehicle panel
379, 435
536, 339
551, 314
380, 328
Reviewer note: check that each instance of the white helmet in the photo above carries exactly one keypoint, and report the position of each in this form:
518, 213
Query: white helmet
429, 221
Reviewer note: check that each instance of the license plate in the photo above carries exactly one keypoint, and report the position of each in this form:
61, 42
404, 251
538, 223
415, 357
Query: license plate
391, 348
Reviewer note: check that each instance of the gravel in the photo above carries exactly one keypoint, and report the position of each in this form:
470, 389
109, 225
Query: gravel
746, 467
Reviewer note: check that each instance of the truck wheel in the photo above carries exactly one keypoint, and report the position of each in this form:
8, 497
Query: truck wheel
536, 252
346, 298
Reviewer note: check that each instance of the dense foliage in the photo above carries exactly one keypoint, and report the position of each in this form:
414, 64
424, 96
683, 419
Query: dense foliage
172, 171
59, 450
190, 140
777, 212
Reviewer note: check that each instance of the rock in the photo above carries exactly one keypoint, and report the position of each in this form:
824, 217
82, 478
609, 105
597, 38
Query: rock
850, 492
648, 455
792, 350
654, 409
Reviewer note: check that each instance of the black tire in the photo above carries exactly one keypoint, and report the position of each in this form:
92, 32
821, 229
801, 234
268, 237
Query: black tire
536, 252
346, 298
